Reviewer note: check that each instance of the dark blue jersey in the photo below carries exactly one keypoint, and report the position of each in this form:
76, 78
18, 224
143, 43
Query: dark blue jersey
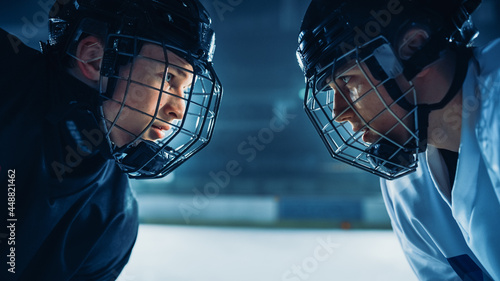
66, 209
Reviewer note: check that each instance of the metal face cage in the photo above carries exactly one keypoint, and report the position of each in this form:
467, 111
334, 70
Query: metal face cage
138, 105
365, 111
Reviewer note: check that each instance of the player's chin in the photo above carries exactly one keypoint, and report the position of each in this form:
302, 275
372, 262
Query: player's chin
370, 137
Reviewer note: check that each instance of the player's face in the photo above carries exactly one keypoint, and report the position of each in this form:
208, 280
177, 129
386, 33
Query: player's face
136, 101
367, 106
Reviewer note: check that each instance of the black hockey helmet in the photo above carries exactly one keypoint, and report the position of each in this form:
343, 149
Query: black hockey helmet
182, 24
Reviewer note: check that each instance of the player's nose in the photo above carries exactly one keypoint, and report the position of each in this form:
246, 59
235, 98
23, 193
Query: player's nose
342, 110
175, 104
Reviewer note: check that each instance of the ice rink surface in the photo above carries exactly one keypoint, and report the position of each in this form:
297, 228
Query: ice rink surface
192, 253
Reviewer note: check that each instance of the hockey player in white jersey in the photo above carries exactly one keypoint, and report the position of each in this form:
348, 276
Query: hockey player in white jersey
396, 88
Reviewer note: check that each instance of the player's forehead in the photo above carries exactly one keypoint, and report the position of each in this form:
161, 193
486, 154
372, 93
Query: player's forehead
344, 66
338, 70
157, 54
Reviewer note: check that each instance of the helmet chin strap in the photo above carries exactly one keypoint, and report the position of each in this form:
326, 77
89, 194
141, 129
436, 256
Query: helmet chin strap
391, 158
423, 110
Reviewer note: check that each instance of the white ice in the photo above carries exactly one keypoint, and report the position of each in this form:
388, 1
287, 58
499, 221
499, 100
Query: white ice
192, 253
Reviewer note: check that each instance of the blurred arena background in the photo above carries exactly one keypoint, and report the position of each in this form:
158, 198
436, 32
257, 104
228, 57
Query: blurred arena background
265, 173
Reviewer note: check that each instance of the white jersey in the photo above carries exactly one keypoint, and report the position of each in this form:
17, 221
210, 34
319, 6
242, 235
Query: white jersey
456, 235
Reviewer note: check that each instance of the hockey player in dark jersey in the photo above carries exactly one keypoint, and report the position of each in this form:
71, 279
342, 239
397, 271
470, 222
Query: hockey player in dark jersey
122, 89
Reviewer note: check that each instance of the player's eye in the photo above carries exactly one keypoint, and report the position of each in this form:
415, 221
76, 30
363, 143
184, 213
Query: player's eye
345, 79
168, 77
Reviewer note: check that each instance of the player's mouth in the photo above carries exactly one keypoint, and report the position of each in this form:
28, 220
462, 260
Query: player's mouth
158, 131
364, 133
366, 136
